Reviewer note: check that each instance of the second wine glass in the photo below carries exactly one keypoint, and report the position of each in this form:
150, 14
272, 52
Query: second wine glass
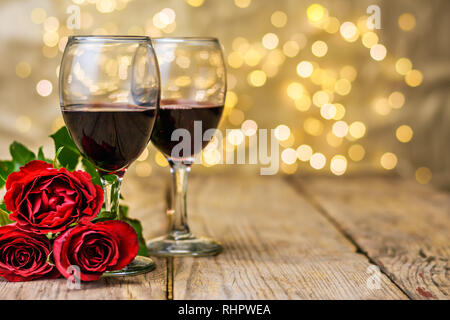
193, 87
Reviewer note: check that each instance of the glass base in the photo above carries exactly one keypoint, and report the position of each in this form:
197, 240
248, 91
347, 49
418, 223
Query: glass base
139, 265
190, 247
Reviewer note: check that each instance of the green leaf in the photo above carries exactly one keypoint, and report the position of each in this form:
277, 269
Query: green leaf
20, 154
55, 161
89, 168
137, 226
103, 216
41, 156
69, 156
4, 215
6, 167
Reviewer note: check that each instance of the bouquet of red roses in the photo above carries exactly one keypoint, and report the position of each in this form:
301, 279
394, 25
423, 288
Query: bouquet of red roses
50, 220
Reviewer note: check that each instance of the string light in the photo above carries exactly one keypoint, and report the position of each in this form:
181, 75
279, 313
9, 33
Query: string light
423, 175
44, 88
388, 161
265, 59
328, 111
414, 78
315, 12
278, 19
23, 69
295, 90
407, 22
319, 48
305, 69
235, 137
291, 48
242, 3
282, 132
396, 100
404, 133
340, 129
403, 66
338, 165
195, 3
257, 78
304, 152
340, 111
231, 99
38, 15
318, 161
313, 126
289, 156
303, 103
369, 39
270, 41
143, 169
357, 129
343, 87
349, 31
356, 152
161, 160
378, 52
249, 127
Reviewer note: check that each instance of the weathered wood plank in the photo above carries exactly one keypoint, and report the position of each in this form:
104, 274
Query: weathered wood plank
146, 199
403, 226
149, 286
276, 246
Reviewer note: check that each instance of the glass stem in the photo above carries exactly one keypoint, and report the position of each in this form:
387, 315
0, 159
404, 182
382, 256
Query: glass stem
179, 228
111, 187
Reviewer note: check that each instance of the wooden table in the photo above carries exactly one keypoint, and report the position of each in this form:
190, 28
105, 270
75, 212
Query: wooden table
287, 238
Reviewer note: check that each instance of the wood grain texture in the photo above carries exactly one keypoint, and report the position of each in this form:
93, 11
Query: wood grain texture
149, 286
401, 225
276, 246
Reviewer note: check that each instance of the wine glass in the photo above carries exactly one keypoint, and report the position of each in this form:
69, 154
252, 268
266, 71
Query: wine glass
193, 87
109, 95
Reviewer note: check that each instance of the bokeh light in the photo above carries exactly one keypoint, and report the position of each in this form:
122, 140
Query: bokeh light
388, 160
378, 52
315, 12
404, 133
318, 161
414, 78
423, 175
407, 21
349, 31
23, 69
304, 152
257, 78
338, 165
403, 66
278, 19
44, 88
319, 48
356, 152
282, 132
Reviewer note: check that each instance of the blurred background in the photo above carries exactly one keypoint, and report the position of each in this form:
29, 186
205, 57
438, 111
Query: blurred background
343, 99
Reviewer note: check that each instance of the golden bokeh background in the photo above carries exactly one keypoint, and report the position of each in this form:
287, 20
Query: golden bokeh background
342, 99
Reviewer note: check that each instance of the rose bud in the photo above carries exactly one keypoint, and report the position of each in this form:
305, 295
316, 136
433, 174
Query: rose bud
95, 248
44, 199
23, 255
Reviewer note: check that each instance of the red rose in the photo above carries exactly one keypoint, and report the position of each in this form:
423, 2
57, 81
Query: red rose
95, 248
23, 255
44, 199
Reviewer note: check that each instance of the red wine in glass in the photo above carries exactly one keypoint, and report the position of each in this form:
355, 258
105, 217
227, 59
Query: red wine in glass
111, 136
181, 114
